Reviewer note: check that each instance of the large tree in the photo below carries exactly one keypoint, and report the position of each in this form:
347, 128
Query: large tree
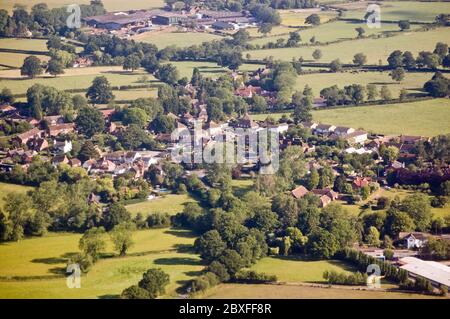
31, 67
92, 243
90, 121
154, 281
121, 236
100, 91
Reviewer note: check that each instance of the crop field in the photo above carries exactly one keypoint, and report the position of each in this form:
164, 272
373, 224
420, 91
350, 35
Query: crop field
401, 10
170, 203
296, 17
334, 31
109, 276
6, 188
110, 5
374, 49
426, 118
413, 82
241, 291
179, 39
295, 269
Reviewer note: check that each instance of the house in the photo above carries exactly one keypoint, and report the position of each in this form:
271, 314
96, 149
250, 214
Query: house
6, 109
299, 192
55, 130
104, 166
213, 128
221, 25
23, 138
332, 195
245, 122
167, 18
82, 62
248, 91
356, 137
360, 182
412, 240
342, 130
310, 125
54, 119
438, 274
280, 128
107, 113
63, 146
324, 201
37, 144
75, 162
60, 159
89, 164
324, 129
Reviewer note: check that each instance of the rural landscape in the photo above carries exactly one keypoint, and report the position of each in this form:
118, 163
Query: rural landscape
116, 124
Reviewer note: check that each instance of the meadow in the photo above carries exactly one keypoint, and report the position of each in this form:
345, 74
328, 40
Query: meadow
170, 203
168, 249
374, 49
15, 60
296, 17
240, 291
24, 44
6, 188
179, 39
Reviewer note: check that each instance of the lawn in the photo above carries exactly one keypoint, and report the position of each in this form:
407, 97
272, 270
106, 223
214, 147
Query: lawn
403, 10
163, 248
6, 188
110, 5
24, 44
333, 31
296, 269
170, 203
179, 39
240, 291
374, 49
426, 118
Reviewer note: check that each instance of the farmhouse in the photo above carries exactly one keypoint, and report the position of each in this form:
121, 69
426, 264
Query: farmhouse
438, 274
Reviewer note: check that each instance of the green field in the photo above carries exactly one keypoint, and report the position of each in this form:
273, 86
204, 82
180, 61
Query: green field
296, 17
135, 94
240, 291
170, 203
374, 49
208, 69
292, 269
110, 5
405, 10
179, 39
24, 44
16, 59
426, 118
164, 248
6, 188
333, 31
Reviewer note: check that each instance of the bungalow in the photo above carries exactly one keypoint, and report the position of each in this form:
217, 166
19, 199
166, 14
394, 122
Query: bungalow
299, 192
37, 144
248, 91
54, 119
55, 130
324, 201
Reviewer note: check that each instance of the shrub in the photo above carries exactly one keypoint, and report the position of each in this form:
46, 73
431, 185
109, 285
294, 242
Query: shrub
388, 254
250, 276
158, 220
333, 277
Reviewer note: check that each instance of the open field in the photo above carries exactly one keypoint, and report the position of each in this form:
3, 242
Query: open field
413, 82
135, 94
240, 291
208, 69
110, 5
295, 269
16, 59
169, 203
401, 10
333, 31
426, 118
296, 17
24, 44
179, 39
277, 30
108, 277
6, 188
374, 49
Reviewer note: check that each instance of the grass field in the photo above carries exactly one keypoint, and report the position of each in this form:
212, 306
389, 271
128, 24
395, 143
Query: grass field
6, 188
179, 39
403, 10
135, 94
240, 291
24, 44
426, 118
374, 49
16, 59
333, 31
164, 248
170, 203
110, 5
413, 82
208, 69
293, 269
296, 17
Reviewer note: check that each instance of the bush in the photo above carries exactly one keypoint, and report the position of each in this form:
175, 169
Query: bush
219, 270
250, 276
333, 277
83, 260
158, 220
204, 282
134, 292
388, 254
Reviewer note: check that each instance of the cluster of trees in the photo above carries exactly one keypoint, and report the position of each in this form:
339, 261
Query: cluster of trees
438, 86
334, 278
354, 94
425, 59
435, 248
152, 285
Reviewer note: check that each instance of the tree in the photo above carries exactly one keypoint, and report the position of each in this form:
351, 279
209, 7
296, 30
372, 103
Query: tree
92, 243
154, 281
408, 60
294, 39
313, 179
396, 222
313, 19
360, 59
232, 261
117, 214
302, 107
90, 121
121, 236
297, 239
134, 292
100, 91
385, 93
438, 86
210, 245
372, 92
17, 206
162, 124
317, 54
6, 96
134, 115
322, 244
335, 66
404, 25
390, 154
88, 151
168, 73
441, 50
31, 67
132, 62
55, 67
398, 74
373, 237
360, 31
417, 206
395, 59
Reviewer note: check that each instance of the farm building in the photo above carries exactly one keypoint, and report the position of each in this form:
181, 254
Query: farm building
167, 18
119, 20
220, 25
438, 274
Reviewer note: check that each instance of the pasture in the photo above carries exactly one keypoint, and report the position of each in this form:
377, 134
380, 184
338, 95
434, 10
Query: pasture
6, 188
164, 248
374, 49
241, 291
15, 60
170, 203
24, 44
178, 39
296, 17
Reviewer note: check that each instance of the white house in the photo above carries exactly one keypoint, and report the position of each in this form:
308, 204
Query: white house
413, 240
63, 147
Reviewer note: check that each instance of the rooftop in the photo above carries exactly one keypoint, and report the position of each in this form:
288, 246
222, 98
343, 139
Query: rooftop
431, 270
